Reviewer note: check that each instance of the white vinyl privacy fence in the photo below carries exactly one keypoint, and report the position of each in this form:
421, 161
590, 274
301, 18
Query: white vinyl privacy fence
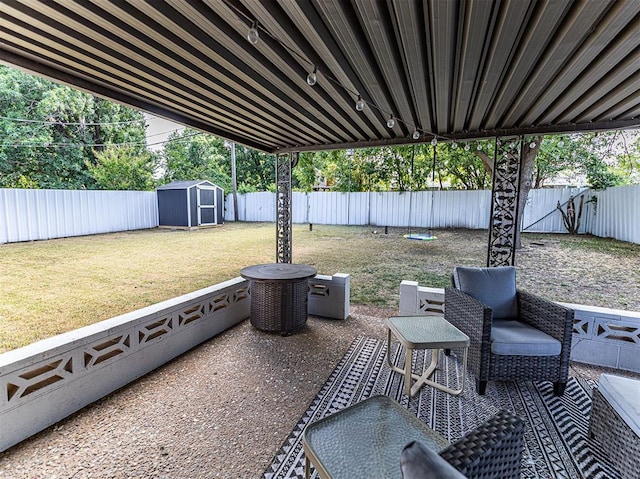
27, 215
614, 212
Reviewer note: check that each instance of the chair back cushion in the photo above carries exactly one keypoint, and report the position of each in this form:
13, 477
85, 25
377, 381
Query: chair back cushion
515, 338
494, 287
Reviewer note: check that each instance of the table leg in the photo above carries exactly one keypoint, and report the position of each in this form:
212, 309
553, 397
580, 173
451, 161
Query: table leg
307, 468
434, 363
407, 371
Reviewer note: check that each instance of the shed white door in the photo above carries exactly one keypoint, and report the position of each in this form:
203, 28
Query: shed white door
206, 205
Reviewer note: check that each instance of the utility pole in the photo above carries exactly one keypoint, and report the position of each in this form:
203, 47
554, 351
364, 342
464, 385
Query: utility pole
234, 183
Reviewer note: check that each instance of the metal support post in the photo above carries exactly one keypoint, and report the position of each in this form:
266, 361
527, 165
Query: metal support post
284, 165
504, 202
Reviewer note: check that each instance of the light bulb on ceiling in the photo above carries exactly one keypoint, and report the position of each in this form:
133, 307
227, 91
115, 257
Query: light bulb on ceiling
312, 77
454, 145
391, 122
253, 35
360, 104
416, 134
467, 147
479, 147
532, 145
560, 143
434, 141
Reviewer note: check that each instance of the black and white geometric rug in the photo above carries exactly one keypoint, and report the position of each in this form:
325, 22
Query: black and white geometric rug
556, 435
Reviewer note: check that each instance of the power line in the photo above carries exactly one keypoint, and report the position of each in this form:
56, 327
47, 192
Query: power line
95, 145
66, 123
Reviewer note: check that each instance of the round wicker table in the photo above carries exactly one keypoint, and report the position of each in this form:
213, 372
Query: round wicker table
278, 295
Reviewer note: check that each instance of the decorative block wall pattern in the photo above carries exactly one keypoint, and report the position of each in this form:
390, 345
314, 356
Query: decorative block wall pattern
44, 382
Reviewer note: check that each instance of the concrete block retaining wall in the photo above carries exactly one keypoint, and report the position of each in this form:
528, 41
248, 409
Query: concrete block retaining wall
601, 336
44, 382
329, 295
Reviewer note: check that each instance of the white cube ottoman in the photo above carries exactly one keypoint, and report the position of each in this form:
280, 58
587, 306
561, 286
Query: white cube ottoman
615, 422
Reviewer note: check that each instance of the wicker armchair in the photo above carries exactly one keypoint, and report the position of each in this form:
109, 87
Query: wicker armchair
492, 450
475, 319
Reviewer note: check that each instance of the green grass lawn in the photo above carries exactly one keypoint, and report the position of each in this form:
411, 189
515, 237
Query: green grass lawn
50, 287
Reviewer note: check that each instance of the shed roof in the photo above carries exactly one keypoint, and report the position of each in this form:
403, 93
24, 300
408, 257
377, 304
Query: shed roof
453, 69
182, 185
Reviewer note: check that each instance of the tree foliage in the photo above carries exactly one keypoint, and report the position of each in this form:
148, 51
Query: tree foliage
50, 133
190, 155
123, 168
466, 166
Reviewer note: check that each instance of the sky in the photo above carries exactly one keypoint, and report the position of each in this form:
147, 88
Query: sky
158, 130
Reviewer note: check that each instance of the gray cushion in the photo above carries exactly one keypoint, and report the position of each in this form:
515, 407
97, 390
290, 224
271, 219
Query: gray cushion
494, 287
420, 462
515, 338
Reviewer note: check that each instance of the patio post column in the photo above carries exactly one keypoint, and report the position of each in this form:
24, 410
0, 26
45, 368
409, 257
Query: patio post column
505, 191
284, 165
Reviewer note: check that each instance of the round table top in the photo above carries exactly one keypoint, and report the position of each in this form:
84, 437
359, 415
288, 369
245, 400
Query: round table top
278, 272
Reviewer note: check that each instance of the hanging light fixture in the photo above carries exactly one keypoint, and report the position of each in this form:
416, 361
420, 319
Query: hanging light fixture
391, 122
532, 145
416, 134
434, 141
454, 145
360, 104
253, 35
479, 147
312, 77
560, 143
467, 147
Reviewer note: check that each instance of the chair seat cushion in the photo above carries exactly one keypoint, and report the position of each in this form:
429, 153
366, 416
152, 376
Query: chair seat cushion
419, 462
493, 287
510, 337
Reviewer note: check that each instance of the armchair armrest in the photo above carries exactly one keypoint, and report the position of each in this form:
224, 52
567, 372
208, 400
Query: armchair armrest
493, 449
474, 319
545, 315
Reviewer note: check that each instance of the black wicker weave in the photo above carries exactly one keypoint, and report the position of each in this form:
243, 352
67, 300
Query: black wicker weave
474, 319
278, 306
620, 442
492, 450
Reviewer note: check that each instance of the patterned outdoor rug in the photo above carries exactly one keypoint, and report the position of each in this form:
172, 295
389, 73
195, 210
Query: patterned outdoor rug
557, 444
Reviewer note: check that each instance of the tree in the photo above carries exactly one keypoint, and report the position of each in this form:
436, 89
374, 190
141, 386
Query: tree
191, 155
595, 160
123, 168
554, 156
49, 133
629, 158
466, 168
256, 170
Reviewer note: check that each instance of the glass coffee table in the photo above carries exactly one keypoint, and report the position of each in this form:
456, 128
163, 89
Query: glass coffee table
365, 440
425, 332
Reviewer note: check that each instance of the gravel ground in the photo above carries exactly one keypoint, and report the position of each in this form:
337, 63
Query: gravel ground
221, 410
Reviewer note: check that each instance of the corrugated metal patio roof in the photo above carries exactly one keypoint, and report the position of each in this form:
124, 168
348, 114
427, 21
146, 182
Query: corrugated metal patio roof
456, 69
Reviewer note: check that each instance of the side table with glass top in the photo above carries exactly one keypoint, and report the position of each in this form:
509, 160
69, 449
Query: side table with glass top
425, 332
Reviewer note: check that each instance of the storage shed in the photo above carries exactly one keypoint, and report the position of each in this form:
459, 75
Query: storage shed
190, 204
